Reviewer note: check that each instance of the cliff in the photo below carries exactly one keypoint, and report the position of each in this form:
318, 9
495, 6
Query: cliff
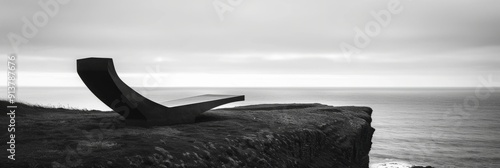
275, 135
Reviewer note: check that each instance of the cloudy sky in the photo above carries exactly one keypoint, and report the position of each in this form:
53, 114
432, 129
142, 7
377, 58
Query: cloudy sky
256, 43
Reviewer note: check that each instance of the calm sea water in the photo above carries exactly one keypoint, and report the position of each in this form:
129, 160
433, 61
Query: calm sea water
417, 126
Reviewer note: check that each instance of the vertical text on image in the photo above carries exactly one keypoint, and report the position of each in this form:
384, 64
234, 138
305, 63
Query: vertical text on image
11, 112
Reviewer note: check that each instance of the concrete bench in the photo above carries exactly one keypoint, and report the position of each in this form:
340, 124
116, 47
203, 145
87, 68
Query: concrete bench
100, 76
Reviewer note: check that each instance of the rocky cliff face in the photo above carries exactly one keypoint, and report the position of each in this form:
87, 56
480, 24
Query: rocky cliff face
279, 135
275, 135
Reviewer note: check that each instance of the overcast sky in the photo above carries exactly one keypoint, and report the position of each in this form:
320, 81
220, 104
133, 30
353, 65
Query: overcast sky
258, 42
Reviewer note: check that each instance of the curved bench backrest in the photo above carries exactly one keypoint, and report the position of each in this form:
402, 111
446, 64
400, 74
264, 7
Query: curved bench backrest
101, 78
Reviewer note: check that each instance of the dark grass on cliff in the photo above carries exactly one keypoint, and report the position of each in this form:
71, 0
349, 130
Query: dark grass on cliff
43, 133
273, 135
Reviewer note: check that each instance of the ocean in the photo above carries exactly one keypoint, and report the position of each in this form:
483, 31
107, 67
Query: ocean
441, 127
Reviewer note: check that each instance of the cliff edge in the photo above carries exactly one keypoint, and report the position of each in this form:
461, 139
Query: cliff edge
273, 135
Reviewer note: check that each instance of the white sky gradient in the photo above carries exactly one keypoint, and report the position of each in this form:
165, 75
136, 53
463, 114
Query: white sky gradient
260, 43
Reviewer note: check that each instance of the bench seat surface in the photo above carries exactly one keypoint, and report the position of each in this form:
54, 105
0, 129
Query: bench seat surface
197, 99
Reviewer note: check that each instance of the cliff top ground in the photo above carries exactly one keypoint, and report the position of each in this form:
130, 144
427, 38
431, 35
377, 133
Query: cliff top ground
270, 135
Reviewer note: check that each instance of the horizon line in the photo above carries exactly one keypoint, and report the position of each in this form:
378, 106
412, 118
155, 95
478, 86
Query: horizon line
340, 87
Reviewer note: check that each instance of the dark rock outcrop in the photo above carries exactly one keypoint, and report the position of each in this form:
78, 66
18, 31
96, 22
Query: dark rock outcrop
287, 135
274, 135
